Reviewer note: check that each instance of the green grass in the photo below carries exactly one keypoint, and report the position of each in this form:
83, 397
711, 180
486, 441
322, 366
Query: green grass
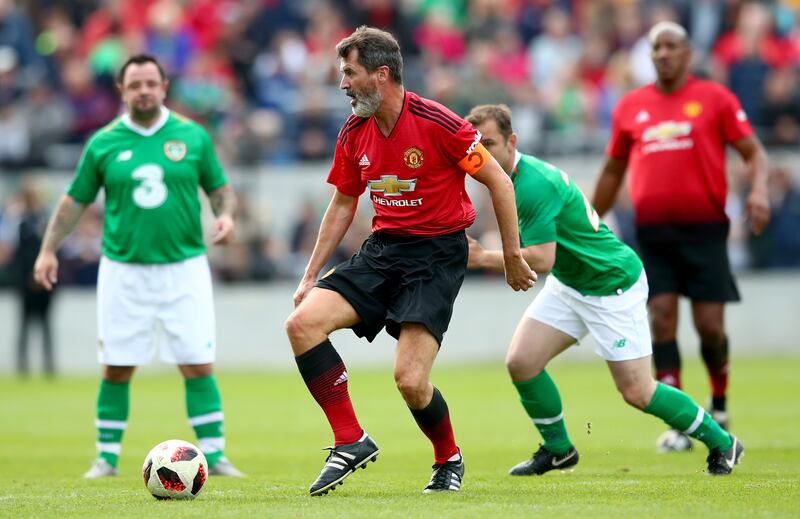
276, 432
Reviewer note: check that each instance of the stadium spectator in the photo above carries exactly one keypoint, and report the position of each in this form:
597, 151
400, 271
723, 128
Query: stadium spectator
21, 231
673, 135
780, 115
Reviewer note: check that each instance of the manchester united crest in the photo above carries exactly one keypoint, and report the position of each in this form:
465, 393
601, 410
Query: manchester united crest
413, 157
692, 109
175, 150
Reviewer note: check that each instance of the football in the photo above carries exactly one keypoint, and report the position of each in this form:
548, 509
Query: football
175, 469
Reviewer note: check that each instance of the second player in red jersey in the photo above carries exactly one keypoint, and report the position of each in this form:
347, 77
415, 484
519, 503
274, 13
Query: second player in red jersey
672, 136
675, 146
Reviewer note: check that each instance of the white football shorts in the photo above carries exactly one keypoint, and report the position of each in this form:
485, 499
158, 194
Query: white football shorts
133, 298
617, 322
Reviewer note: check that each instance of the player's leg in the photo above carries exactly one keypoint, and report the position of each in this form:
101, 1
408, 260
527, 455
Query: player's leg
125, 340
189, 324
665, 267
414, 356
113, 403
663, 310
325, 375
204, 408
709, 287
534, 344
320, 365
676, 409
23, 366
709, 323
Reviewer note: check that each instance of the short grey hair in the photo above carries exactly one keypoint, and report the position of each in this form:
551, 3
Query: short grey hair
662, 27
376, 48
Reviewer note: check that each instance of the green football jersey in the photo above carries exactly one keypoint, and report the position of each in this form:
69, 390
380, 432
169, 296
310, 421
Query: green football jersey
589, 258
151, 178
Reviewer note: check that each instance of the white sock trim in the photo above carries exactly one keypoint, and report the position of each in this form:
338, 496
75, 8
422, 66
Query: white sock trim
203, 419
211, 445
697, 421
111, 424
113, 448
548, 421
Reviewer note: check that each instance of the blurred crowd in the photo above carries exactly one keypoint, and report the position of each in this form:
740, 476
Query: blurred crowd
262, 76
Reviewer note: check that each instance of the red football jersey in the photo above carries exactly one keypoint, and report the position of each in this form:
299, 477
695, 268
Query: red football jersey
675, 144
416, 174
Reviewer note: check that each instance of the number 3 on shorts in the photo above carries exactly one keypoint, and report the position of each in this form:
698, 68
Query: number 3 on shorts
152, 191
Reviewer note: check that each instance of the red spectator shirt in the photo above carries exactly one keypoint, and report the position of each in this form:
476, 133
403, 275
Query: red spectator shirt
415, 176
675, 145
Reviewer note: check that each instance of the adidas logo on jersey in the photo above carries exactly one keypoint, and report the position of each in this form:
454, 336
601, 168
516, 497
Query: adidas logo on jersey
342, 379
364, 162
642, 116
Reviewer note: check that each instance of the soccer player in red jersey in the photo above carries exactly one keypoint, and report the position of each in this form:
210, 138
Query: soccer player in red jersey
413, 155
672, 135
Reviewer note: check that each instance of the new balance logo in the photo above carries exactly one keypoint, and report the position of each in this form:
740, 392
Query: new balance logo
125, 155
364, 162
619, 343
342, 379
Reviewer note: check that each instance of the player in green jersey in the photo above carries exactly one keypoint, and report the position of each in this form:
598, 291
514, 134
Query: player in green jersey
150, 163
596, 286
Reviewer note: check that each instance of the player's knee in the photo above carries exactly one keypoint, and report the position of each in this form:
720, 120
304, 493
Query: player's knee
412, 386
663, 322
711, 332
298, 326
521, 367
636, 395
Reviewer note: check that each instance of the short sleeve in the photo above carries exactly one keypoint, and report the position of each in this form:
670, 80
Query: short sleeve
733, 121
537, 213
211, 174
87, 181
620, 142
344, 174
464, 148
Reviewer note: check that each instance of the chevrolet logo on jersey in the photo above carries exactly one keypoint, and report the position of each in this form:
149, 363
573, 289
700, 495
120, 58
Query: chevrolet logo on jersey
389, 185
667, 130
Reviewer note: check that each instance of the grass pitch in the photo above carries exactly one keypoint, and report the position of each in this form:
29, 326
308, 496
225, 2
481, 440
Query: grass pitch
275, 432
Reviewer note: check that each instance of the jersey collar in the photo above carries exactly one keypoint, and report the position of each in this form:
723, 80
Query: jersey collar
517, 158
141, 130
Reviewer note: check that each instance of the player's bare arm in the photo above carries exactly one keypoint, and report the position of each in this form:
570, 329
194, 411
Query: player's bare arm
63, 220
757, 203
608, 184
518, 273
335, 223
223, 204
540, 257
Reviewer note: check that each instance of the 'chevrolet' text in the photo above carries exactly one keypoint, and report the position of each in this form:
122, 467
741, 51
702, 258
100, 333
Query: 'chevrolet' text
397, 202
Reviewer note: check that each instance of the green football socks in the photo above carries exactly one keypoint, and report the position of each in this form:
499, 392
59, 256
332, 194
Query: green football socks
112, 419
204, 407
680, 412
540, 398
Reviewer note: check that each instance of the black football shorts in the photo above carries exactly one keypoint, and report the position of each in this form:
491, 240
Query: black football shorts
393, 280
689, 259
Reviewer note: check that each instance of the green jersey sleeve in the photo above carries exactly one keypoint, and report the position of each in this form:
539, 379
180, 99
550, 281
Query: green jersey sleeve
211, 175
87, 181
538, 205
